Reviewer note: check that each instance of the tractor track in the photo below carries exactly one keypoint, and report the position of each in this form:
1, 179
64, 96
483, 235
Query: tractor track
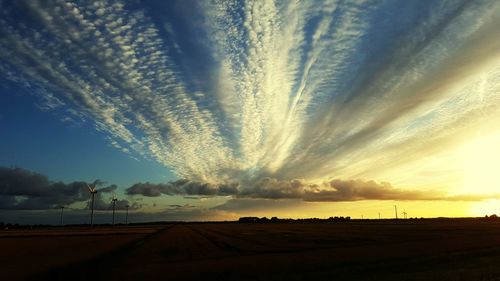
99, 267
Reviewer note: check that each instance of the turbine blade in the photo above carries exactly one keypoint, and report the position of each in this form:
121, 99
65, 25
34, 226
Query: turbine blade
90, 189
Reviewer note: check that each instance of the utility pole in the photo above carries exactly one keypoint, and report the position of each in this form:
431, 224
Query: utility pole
114, 206
396, 210
92, 206
126, 215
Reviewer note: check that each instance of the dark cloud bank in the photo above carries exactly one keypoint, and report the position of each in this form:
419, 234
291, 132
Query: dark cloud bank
269, 188
21, 189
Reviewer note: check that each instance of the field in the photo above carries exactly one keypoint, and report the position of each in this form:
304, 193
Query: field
437, 249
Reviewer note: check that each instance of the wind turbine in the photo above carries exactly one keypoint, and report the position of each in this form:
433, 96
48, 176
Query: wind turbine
93, 192
114, 206
396, 210
62, 213
404, 213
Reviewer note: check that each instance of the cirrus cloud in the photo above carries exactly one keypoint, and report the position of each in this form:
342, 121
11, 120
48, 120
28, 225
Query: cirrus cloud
278, 90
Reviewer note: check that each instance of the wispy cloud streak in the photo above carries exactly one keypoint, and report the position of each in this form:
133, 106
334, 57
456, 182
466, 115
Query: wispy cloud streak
298, 89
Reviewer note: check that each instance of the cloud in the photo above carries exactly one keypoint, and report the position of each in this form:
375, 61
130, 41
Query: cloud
290, 89
108, 189
269, 188
26, 190
354, 190
23, 189
184, 187
29, 197
338, 190
147, 189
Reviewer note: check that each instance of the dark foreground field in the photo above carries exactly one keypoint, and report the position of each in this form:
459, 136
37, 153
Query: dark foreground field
459, 249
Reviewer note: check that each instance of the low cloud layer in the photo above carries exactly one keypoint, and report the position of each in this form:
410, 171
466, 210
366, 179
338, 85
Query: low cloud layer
21, 189
182, 187
24, 193
269, 188
25, 190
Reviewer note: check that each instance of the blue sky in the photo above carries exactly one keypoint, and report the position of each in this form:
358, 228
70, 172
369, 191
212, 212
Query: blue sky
41, 141
326, 101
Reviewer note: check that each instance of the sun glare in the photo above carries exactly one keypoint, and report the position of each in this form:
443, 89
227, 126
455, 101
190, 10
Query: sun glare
483, 208
481, 160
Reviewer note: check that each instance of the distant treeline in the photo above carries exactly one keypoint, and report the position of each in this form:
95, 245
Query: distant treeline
7, 226
340, 219
276, 219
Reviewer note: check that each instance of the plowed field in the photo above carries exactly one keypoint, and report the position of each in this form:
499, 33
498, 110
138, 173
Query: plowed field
460, 249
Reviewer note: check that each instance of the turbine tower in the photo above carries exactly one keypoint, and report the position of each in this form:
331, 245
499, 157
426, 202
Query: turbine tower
62, 213
114, 206
93, 192
396, 210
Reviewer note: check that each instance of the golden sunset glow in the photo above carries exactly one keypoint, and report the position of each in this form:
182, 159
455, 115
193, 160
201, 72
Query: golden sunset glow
481, 162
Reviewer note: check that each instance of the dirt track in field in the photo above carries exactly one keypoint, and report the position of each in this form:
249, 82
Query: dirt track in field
357, 250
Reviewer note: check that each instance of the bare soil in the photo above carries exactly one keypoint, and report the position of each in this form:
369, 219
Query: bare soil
437, 249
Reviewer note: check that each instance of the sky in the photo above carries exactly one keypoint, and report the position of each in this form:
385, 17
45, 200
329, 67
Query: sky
212, 110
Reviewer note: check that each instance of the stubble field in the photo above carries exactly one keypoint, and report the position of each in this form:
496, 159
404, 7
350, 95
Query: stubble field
437, 249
